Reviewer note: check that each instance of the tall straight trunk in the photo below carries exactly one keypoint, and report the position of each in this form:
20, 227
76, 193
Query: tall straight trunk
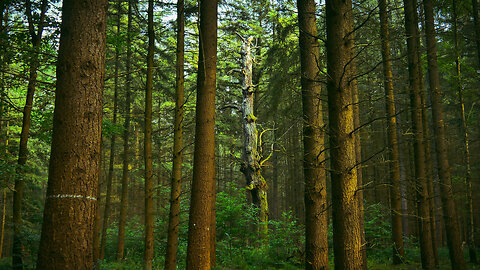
201, 226
176, 180
2, 236
470, 228
275, 200
476, 22
98, 213
314, 165
395, 196
108, 195
126, 136
148, 255
35, 39
251, 166
346, 214
421, 187
70, 207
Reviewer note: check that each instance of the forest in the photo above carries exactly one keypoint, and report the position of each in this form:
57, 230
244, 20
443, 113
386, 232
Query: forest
237, 134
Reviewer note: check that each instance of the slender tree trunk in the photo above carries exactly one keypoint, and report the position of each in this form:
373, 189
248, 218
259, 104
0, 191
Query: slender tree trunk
274, 192
476, 22
70, 207
108, 195
126, 136
176, 180
201, 228
251, 166
470, 229
149, 222
3, 221
395, 196
36, 39
411, 28
346, 214
314, 165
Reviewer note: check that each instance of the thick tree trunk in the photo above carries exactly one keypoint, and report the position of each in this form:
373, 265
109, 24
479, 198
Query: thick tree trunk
108, 195
36, 39
346, 214
70, 207
149, 222
314, 165
201, 226
126, 136
251, 166
470, 229
412, 33
176, 180
395, 196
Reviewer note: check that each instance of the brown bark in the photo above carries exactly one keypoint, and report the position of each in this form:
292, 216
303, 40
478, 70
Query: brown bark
395, 196
149, 222
35, 39
126, 136
314, 165
68, 222
201, 228
108, 195
4, 202
412, 33
176, 180
470, 229
346, 214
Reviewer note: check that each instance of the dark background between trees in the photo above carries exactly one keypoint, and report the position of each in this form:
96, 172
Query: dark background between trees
379, 168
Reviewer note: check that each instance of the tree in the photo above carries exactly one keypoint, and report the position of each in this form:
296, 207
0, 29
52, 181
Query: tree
75, 157
411, 29
126, 136
176, 180
201, 225
36, 40
314, 164
148, 255
340, 77
449, 210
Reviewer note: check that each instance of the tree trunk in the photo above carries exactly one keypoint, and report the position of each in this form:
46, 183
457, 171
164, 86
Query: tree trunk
70, 207
470, 229
201, 228
476, 22
36, 39
3, 221
149, 222
111, 164
176, 181
126, 136
346, 215
314, 165
251, 166
411, 28
395, 196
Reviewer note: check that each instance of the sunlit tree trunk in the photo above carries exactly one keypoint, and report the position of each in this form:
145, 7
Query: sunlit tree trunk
36, 39
70, 207
126, 136
466, 145
395, 195
346, 215
176, 180
149, 220
421, 187
201, 226
314, 165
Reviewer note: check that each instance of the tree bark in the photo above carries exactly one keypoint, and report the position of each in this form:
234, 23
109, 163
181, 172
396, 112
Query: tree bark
35, 39
126, 136
68, 222
176, 181
412, 33
470, 228
395, 196
201, 228
314, 165
346, 214
149, 219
